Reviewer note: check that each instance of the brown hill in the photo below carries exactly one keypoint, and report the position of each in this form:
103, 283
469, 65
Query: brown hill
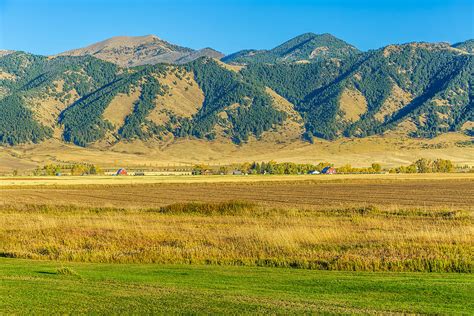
129, 51
4, 52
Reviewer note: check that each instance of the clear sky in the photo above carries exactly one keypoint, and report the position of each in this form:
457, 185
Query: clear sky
53, 26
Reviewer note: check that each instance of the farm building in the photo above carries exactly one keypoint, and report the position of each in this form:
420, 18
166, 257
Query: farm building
329, 170
206, 172
121, 172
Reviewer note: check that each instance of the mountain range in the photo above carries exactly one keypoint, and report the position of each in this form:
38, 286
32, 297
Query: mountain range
312, 86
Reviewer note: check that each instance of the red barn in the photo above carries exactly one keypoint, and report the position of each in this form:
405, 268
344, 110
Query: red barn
329, 170
121, 172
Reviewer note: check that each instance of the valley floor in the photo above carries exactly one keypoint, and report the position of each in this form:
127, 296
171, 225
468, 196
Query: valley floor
28, 286
390, 151
364, 244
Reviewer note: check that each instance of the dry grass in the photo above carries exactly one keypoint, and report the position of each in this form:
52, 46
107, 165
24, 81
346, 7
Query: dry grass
235, 68
397, 99
345, 224
353, 104
184, 98
233, 233
390, 150
5, 75
120, 107
292, 128
47, 109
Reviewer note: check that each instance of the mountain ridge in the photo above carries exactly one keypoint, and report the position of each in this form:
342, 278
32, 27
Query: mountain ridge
418, 89
305, 47
130, 51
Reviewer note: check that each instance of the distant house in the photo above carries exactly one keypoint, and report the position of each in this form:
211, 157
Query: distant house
329, 170
121, 172
237, 173
314, 172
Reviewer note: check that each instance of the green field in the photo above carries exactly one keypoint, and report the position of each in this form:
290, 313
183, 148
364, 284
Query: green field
28, 286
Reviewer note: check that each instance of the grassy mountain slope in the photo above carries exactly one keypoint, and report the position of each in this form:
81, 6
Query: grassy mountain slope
419, 89
437, 79
80, 89
33, 80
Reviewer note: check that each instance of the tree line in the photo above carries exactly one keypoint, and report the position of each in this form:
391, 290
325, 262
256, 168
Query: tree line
426, 166
74, 170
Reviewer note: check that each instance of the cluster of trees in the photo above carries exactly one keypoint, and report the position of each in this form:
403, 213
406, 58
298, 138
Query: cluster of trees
136, 125
88, 169
17, 124
75, 170
223, 88
426, 166
273, 167
374, 168
270, 167
86, 74
245, 120
295, 81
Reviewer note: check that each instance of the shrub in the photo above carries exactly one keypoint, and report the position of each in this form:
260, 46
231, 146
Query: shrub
66, 271
208, 209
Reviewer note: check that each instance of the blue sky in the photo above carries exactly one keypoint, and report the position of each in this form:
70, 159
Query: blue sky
49, 27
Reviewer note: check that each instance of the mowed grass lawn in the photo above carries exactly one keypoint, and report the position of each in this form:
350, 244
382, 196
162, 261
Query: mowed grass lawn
28, 286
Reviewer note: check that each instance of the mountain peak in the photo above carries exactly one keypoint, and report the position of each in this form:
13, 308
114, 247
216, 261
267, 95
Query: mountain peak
314, 35
467, 46
304, 47
129, 51
4, 52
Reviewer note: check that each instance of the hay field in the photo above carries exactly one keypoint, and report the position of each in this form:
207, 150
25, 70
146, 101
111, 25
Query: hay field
322, 192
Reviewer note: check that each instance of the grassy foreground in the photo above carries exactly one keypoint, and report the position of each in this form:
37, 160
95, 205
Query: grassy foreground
241, 233
43, 287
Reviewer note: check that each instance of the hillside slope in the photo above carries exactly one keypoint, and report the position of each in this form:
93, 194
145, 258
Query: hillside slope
428, 86
418, 90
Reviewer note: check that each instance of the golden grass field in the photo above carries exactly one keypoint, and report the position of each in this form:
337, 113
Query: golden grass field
385, 223
390, 150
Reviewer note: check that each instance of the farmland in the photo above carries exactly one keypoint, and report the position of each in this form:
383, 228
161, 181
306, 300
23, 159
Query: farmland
155, 240
415, 191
